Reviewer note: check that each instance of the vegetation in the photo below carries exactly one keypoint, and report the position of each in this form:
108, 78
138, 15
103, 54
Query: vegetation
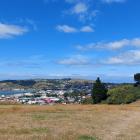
137, 79
20, 82
123, 94
99, 91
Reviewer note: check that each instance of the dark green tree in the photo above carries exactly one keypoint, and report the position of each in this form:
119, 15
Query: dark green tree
99, 91
66, 95
137, 78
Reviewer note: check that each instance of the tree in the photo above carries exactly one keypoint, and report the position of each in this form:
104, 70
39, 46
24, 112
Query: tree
99, 91
66, 96
137, 79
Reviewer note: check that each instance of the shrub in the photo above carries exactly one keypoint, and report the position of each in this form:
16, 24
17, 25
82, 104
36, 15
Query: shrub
123, 95
121, 98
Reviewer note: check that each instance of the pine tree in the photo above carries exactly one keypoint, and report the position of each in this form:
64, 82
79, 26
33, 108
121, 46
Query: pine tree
137, 79
99, 91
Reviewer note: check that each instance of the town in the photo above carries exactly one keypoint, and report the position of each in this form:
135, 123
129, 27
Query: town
43, 92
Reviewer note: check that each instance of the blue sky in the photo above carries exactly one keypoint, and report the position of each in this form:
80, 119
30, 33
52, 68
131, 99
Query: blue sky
70, 38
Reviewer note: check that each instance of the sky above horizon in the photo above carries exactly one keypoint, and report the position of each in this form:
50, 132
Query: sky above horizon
70, 38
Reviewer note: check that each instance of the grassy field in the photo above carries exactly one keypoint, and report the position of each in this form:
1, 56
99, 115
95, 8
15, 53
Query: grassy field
70, 122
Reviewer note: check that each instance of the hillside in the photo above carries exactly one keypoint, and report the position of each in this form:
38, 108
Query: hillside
44, 84
70, 122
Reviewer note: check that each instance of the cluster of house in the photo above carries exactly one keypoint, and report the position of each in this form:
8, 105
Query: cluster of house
42, 100
41, 97
70, 94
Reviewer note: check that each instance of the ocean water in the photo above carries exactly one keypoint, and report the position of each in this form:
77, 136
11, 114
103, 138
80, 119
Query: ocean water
11, 92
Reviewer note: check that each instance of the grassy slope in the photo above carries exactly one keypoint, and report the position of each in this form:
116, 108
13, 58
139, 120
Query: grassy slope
70, 122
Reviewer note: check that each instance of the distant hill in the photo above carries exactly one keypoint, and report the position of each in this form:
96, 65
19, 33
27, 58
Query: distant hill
44, 83
20, 82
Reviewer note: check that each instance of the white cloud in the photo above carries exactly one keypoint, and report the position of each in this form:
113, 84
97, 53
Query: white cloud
114, 45
75, 60
135, 42
112, 1
70, 29
66, 29
85, 10
7, 30
87, 29
79, 8
131, 57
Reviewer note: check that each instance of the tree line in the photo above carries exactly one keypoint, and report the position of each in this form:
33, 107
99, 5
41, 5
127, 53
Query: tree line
118, 95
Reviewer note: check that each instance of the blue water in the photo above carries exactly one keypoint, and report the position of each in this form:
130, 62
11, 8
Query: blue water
7, 92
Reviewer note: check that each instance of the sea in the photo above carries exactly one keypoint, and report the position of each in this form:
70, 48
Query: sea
13, 92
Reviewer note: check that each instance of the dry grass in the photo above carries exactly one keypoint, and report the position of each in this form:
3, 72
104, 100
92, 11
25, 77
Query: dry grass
70, 122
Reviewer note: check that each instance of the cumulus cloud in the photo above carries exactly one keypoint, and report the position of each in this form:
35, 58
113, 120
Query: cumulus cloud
79, 8
131, 57
82, 9
87, 29
75, 60
66, 29
114, 45
7, 30
70, 29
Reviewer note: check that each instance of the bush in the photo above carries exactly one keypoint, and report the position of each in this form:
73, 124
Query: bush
121, 98
123, 95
